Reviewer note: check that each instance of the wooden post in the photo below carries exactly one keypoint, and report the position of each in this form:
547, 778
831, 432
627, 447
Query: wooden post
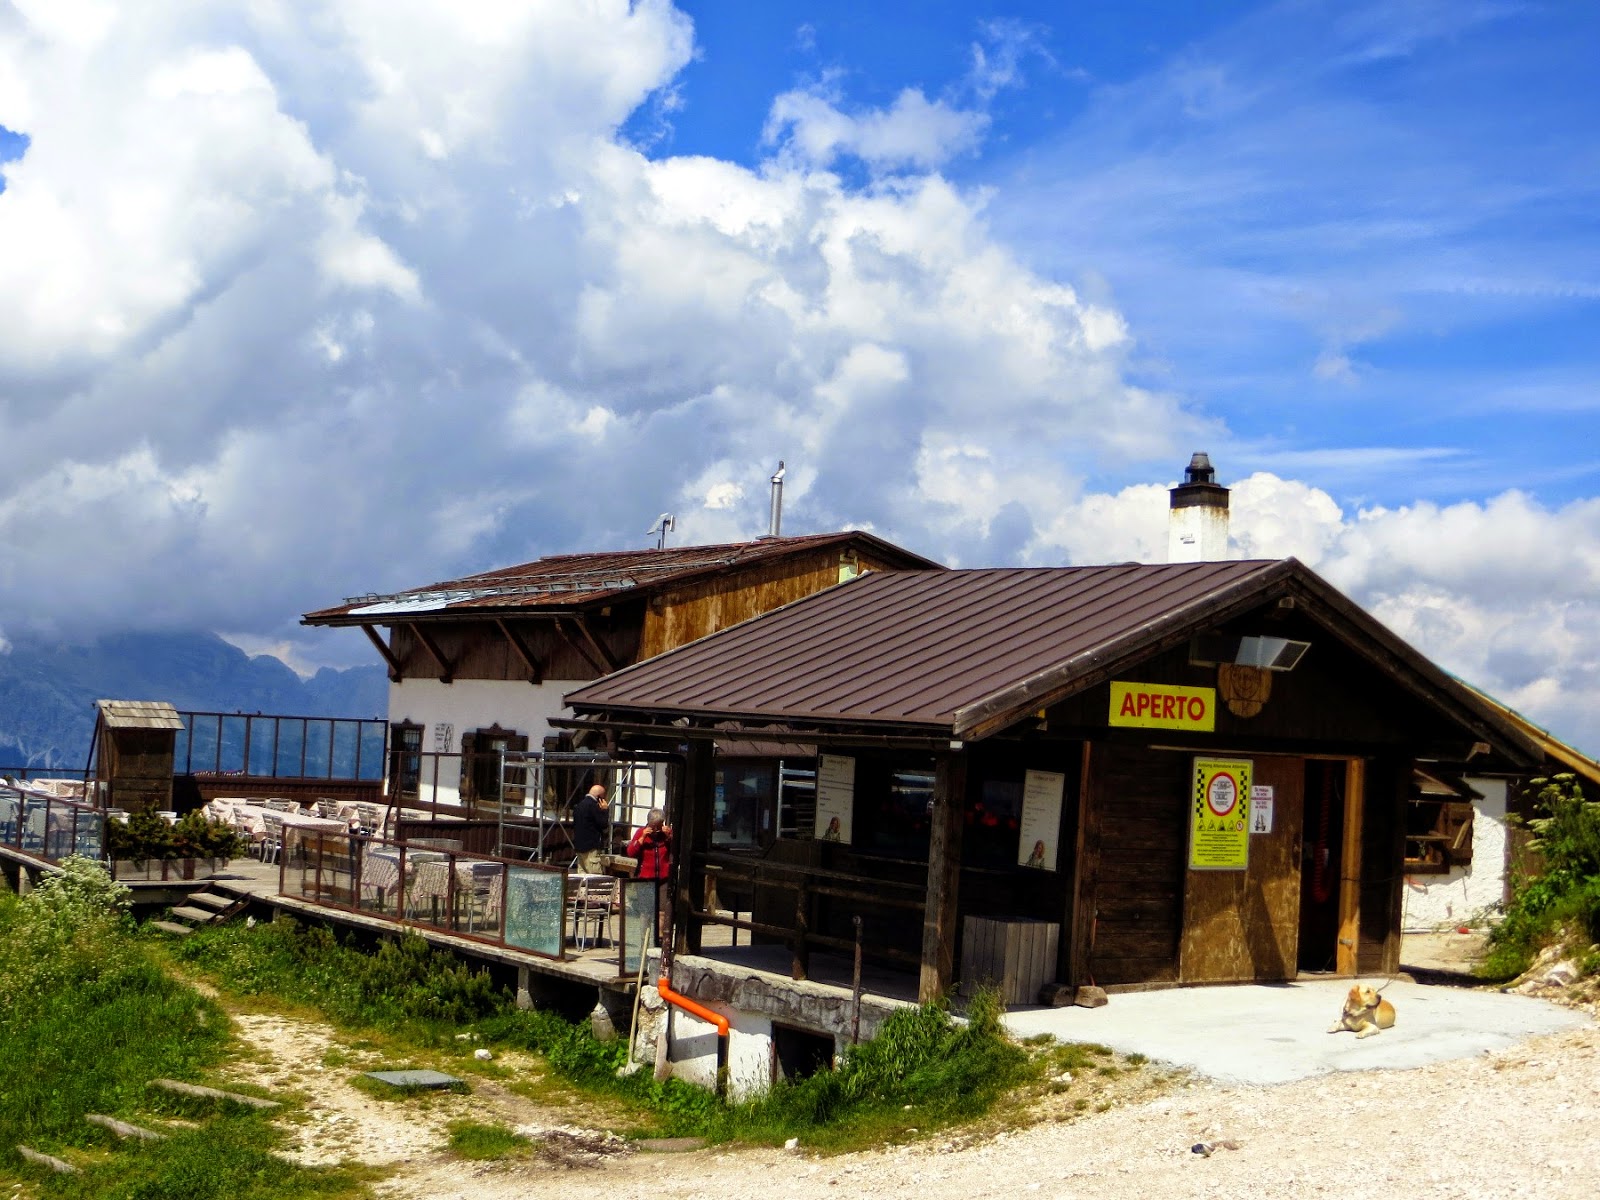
1085, 855
800, 956
1355, 788
692, 800
944, 876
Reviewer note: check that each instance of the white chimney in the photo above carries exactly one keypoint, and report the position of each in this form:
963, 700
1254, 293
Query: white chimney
1197, 527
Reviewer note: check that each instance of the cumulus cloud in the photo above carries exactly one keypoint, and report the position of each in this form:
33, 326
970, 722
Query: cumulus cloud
299, 301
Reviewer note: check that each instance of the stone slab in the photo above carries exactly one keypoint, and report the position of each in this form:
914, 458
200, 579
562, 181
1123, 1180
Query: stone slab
416, 1079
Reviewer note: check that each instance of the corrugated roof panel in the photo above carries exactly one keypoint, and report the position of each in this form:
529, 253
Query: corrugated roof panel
911, 648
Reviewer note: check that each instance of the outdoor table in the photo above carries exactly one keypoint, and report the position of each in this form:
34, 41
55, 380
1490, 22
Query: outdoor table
380, 870
433, 881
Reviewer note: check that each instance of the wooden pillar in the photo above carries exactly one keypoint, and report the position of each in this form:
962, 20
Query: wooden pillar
691, 801
944, 876
1355, 789
1080, 890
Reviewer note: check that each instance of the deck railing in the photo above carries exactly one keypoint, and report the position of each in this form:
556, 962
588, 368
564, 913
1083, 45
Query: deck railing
50, 827
430, 883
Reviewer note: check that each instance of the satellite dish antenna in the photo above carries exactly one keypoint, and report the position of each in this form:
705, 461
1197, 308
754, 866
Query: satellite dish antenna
664, 525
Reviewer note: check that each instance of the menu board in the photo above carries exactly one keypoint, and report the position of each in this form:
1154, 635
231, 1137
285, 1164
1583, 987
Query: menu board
536, 910
1040, 827
836, 797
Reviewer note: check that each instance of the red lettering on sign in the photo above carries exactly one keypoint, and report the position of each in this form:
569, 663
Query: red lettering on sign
1128, 709
1197, 709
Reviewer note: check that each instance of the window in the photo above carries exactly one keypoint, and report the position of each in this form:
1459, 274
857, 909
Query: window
745, 808
991, 824
480, 764
894, 807
405, 747
1438, 835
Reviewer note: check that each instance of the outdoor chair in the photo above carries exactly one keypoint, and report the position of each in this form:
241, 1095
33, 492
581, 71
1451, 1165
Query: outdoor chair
272, 844
33, 830
367, 819
8, 819
592, 902
328, 809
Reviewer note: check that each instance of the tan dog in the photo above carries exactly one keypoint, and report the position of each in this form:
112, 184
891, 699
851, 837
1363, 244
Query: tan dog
1365, 1012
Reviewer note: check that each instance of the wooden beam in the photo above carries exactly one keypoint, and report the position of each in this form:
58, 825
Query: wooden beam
581, 647
1080, 898
1349, 944
606, 657
690, 806
535, 670
944, 876
395, 672
447, 669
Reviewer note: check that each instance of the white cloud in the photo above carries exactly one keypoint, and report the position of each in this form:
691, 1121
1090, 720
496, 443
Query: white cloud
913, 133
301, 301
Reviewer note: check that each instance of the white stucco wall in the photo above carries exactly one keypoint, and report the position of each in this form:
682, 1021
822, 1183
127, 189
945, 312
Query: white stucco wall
694, 1051
527, 708
1438, 901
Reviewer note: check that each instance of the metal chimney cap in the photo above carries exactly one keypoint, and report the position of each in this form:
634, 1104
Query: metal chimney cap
1200, 469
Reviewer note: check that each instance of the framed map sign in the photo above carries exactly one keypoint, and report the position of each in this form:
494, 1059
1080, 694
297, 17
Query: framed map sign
536, 910
1219, 815
836, 797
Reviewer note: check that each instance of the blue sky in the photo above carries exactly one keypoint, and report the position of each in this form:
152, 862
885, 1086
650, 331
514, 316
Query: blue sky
305, 300
1368, 237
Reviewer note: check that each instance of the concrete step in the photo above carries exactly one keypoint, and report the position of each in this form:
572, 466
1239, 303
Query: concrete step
173, 927
211, 900
200, 916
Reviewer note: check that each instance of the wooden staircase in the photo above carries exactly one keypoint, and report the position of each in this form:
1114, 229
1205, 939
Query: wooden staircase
205, 907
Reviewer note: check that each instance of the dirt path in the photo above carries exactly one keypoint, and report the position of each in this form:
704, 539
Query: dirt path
1523, 1122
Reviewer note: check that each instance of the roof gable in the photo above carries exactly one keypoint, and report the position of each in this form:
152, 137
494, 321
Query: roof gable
564, 582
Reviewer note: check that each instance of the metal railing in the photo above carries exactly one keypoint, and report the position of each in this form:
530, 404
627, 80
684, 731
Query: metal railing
429, 883
50, 827
281, 747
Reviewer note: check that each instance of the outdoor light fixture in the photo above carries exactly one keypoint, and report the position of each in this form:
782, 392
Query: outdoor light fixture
1259, 651
1270, 653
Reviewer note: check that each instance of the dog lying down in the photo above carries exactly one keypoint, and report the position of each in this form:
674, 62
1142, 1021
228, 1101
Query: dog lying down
1365, 1012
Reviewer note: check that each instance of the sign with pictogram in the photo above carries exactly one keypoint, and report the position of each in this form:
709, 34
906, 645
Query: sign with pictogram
1219, 815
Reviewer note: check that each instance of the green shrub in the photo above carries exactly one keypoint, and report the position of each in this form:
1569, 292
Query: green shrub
144, 836
469, 1139
1563, 900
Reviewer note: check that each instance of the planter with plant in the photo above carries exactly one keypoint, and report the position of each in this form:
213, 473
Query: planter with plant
145, 845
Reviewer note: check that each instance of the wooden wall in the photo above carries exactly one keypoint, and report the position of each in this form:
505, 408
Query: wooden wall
1382, 856
1334, 700
686, 614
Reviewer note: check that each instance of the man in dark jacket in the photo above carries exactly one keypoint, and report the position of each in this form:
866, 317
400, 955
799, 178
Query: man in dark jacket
591, 830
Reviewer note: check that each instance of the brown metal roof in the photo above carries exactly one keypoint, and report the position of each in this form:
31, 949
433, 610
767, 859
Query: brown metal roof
969, 652
912, 648
563, 582
138, 714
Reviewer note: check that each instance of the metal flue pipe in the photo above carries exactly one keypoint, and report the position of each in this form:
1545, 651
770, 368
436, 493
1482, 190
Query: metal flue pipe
775, 525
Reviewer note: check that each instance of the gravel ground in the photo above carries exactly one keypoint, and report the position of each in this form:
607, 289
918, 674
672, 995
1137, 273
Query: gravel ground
1518, 1122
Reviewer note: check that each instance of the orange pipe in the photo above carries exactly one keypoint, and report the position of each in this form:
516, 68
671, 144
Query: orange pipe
690, 1007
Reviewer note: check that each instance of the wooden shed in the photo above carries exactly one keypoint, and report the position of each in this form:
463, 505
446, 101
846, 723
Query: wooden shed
133, 747
1186, 773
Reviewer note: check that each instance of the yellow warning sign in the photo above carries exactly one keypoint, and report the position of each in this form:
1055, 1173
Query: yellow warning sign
1219, 815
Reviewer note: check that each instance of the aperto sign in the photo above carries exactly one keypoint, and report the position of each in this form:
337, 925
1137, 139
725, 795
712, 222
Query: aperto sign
1163, 706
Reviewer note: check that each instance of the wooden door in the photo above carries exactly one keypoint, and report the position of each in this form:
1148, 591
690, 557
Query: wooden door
1245, 925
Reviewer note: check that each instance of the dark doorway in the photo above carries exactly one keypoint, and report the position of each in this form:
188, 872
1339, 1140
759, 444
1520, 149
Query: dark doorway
801, 1053
1319, 866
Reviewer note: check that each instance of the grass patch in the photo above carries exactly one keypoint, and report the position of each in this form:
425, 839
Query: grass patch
471, 1140
87, 1019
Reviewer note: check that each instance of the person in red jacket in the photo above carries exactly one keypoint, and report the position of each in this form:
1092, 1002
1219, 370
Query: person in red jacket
652, 846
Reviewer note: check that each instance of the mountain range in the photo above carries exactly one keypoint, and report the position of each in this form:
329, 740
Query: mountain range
48, 689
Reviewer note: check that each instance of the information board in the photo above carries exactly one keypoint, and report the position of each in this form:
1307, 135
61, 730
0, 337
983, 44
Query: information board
836, 797
536, 910
1219, 815
1040, 826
